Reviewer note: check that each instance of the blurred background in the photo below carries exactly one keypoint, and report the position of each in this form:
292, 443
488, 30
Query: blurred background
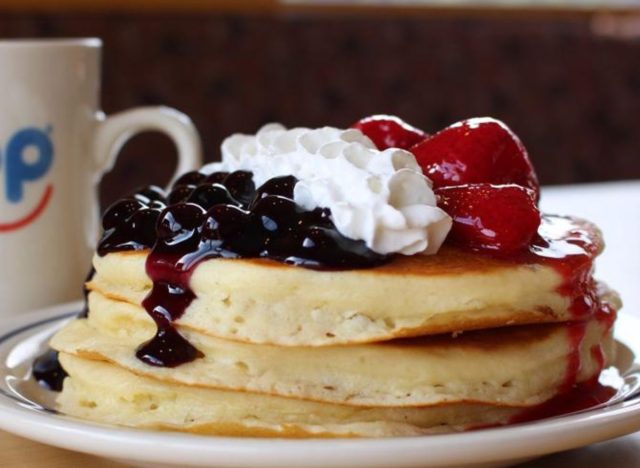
565, 76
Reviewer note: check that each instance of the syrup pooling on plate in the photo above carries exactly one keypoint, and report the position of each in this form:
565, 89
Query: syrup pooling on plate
580, 397
218, 215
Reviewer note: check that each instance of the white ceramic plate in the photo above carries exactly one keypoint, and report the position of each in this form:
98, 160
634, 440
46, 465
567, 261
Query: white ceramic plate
26, 410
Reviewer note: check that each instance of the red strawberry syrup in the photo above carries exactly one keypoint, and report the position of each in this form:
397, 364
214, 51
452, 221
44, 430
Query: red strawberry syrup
570, 247
581, 397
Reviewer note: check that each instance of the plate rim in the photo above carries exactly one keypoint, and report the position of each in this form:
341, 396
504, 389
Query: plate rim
139, 445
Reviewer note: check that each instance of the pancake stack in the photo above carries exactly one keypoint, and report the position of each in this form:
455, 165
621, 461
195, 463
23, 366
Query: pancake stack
293, 352
303, 288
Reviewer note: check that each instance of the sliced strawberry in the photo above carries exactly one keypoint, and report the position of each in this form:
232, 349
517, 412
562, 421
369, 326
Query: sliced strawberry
389, 131
474, 151
502, 218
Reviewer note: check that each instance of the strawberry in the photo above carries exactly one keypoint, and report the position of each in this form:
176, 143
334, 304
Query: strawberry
502, 218
389, 131
476, 151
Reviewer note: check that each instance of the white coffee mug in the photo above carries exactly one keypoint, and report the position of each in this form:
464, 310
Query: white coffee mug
55, 145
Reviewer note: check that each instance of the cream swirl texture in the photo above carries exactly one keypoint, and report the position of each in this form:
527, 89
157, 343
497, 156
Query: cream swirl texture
379, 197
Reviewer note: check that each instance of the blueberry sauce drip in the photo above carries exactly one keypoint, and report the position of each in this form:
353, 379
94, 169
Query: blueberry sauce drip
169, 266
48, 372
166, 303
219, 215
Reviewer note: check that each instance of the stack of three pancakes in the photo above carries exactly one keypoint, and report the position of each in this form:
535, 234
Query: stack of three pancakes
419, 345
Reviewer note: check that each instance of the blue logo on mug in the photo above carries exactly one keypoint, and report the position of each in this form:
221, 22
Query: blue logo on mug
18, 171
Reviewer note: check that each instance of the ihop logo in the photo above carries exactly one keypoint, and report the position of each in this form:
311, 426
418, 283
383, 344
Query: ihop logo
26, 158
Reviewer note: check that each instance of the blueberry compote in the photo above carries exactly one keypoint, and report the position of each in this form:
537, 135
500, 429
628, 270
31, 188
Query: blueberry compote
48, 372
129, 224
218, 215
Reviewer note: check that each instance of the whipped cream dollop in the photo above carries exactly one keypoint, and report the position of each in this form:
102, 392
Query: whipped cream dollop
379, 197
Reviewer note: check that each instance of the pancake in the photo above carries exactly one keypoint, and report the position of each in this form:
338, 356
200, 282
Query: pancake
301, 288
518, 366
102, 392
263, 301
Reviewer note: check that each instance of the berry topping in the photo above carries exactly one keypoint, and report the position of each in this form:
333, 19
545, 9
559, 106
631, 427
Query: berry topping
235, 231
158, 205
190, 178
142, 225
179, 222
120, 211
276, 213
318, 242
48, 372
225, 222
282, 186
216, 178
180, 193
167, 349
208, 195
502, 218
240, 185
389, 131
318, 217
150, 194
479, 150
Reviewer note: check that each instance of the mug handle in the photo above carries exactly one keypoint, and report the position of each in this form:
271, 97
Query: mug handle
112, 132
